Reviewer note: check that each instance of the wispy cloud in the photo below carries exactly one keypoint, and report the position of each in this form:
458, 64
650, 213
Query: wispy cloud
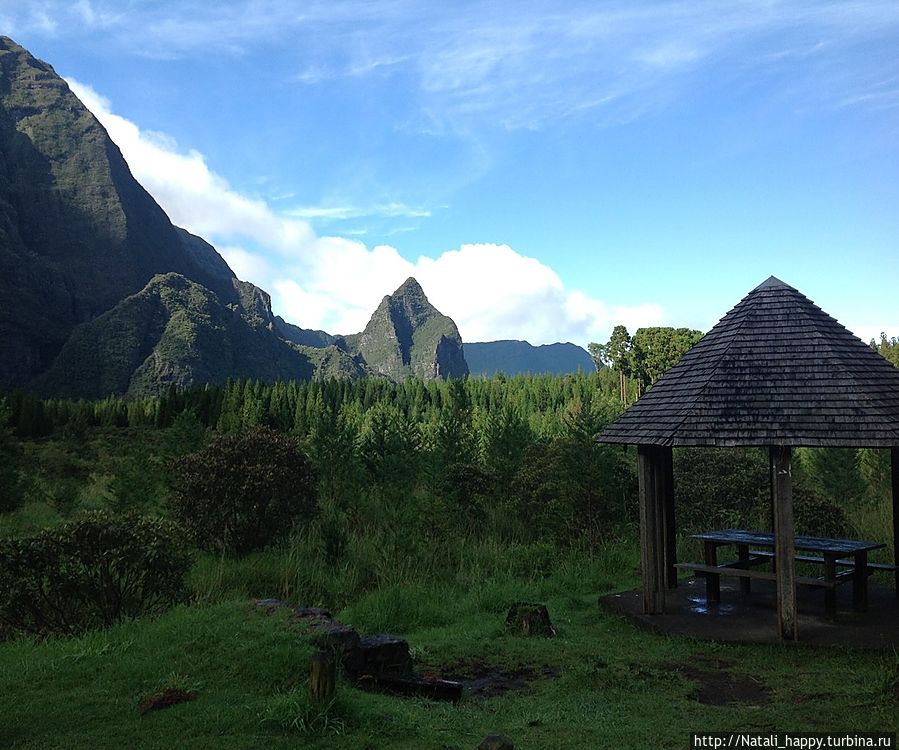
343, 213
513, 64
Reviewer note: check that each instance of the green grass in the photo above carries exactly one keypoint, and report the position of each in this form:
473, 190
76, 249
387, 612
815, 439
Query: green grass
616, 685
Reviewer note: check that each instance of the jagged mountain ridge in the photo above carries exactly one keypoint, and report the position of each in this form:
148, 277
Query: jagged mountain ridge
519, 358
100, 293
408, 336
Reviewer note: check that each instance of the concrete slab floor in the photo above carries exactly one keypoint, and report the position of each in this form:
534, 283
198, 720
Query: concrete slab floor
753, 618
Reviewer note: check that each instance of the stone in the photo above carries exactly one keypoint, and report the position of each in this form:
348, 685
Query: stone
311, 613
384, 654
344, 641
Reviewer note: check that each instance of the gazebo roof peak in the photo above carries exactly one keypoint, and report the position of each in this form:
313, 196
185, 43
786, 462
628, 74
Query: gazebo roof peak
776, 370
772, 282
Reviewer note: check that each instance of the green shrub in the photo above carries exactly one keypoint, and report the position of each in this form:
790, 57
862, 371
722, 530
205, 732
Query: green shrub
90, 573
815, 515
242, 491
720, 487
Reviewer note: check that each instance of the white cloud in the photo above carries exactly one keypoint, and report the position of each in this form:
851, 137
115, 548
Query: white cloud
192, 194
334, 283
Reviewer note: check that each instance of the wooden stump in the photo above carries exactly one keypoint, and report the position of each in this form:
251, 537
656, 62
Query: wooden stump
529, 619
322, 675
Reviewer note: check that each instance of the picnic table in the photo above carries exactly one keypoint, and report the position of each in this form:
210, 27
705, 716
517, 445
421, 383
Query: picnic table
755, 549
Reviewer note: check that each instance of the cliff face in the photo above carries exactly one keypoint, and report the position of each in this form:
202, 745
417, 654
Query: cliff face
408, 336
77, 232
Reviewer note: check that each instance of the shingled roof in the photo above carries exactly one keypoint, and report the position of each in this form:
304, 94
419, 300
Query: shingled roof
776, 370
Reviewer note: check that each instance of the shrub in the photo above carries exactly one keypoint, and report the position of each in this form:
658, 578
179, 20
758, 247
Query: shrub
91, 573
816, 515
720, 487
242, 491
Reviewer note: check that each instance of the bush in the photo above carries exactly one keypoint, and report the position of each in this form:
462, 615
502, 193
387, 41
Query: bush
720, 487
91, 573
242, 491
815, 515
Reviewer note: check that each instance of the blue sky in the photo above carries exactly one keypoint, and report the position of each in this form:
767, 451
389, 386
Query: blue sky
545, 170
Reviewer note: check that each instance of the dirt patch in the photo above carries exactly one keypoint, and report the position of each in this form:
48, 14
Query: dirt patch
165, 698
717, 686
487, 680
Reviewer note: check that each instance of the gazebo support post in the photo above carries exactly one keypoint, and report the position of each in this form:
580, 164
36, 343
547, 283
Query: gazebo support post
670, 525
784, 550
650, 474
894, 466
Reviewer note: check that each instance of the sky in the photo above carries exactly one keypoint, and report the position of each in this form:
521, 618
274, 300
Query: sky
546, 170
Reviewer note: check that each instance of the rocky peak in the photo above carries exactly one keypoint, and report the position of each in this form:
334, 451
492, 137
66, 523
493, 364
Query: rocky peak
407, 335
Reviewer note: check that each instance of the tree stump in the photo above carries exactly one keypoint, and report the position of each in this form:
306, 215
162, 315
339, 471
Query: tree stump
529, 619
322, 675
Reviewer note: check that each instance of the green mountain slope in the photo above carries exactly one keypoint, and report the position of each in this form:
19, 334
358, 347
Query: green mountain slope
407, 335
173, 332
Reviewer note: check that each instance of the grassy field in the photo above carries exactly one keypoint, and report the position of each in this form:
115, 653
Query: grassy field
600, 683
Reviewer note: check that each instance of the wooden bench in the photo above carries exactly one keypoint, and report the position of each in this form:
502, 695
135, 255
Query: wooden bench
844, 563
764, 575
834, 553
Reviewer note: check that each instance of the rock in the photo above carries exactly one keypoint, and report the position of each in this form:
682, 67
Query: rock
529, 619
384, 654
496, 742
344, 641
270, 605
311, 613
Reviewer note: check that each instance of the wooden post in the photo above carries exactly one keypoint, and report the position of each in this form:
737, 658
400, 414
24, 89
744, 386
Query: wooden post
652, 538
894, 466
784, 550
771, 490
668, 515
322, 675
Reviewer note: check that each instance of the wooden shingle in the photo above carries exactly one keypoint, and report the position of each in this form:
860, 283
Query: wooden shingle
776, 370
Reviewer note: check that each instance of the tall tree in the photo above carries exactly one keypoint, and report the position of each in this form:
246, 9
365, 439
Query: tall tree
655, 350
615, 354
887, 347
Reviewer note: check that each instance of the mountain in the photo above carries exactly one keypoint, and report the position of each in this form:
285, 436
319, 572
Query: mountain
100, 293
77, 232
520, 357
407, 335
174, 332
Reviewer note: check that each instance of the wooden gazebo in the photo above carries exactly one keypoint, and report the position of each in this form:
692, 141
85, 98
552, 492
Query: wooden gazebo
778, 372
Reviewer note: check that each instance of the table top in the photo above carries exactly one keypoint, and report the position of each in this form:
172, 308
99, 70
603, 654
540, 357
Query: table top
812, 543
